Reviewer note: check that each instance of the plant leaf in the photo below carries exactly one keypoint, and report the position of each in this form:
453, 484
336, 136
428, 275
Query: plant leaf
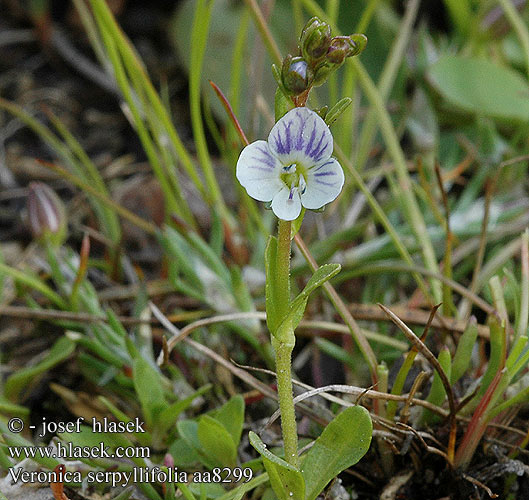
296, 224
22, 378
282, 104
148, 385
188, 430
169, 415
463, 353
342, 444
479, 86
334, 113
297, 308
322, 274
437, 392
287, 481
216, 442
231, 416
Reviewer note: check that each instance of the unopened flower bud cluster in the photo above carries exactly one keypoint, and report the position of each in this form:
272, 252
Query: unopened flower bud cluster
320, 54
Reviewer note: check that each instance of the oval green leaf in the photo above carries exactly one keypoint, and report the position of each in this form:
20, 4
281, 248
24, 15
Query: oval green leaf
216, 442
342, 444
479, 86
231, 416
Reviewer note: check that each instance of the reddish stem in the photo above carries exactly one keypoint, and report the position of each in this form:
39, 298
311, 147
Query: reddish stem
477, 426
231, 114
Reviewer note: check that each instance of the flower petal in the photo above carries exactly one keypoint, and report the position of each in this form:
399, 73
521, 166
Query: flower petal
286, 204
301, 136
258, 171
324, 183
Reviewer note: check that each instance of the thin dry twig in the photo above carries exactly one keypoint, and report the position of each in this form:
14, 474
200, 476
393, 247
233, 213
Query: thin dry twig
414, 317
489, 189
22, 312
472, 480
444, 379
428, 448
417, 383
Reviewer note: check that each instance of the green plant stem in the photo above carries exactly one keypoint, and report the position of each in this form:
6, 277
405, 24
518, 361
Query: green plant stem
284, 345
283, 351
283, 266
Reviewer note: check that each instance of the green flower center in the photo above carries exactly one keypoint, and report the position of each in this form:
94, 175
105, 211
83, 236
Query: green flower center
294, 176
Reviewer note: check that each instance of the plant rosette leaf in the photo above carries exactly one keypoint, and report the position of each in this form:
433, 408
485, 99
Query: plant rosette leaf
169, 415
86, 438
188, 431
209, 441
231, 416
342, 444
287, 481
216, 442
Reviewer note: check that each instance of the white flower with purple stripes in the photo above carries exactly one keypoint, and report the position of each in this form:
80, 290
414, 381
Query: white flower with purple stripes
294, 167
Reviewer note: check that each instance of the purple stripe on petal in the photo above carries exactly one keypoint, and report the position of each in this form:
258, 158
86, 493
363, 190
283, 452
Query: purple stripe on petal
311, 140
266, 154
257, 167
323, 165
299, 140
318, 150
318, 181
288, 138
265, 161
324, 173
279, 145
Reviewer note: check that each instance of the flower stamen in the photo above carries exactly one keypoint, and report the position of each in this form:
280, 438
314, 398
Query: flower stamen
302, 184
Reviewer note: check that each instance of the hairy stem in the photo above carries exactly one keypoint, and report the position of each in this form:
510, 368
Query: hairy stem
283, 352
283, 266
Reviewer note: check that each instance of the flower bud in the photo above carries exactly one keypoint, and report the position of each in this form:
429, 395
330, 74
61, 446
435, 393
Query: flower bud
341, 47
46, 214
360, 42
296, 75
322, 72
168, 460
315, 39
345, 46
